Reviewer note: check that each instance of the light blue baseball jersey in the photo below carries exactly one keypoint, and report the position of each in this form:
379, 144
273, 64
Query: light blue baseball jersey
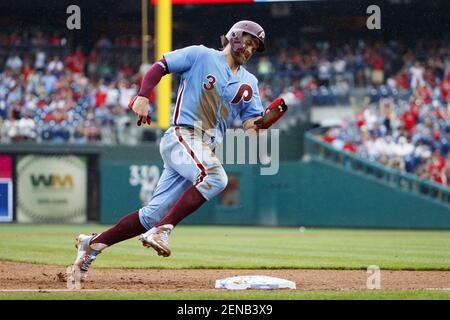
209, 92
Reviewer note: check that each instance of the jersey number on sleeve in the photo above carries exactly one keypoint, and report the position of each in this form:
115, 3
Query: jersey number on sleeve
211, 82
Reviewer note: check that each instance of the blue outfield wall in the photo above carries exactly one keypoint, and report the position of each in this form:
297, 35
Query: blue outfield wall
314, 193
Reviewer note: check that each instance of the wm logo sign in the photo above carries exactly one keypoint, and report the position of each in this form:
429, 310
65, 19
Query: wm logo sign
52, 181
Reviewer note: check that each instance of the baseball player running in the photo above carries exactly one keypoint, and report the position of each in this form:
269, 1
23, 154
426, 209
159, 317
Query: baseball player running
215, 89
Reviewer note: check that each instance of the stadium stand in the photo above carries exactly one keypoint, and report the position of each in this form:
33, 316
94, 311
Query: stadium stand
52, 93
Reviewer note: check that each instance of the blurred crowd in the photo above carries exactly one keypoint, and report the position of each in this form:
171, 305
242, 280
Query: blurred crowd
404, 121
49, 93
410, 135
331, 71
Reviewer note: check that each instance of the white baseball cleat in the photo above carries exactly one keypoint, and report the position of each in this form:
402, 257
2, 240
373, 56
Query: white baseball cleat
85, 255
158, 239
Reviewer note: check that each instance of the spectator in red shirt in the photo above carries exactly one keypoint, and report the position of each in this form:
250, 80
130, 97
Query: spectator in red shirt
434, 172
329, 136
439, 160
349, 146
75, 61
446, 173
100, 98
55, 40
377, 63
445, 88
402, 80
424, 92
127, 70
409, 121
360, 120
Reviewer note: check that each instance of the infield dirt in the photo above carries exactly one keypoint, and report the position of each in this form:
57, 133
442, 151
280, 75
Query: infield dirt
25, 276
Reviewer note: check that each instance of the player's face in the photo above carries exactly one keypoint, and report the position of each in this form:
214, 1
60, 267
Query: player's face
250, 46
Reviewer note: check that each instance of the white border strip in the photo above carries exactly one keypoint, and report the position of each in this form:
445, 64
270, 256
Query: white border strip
56, 290
108, 290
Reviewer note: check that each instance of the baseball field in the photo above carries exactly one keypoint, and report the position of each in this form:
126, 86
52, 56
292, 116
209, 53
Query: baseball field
324, 263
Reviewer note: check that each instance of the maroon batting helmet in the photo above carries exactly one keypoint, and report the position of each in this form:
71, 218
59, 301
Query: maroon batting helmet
236, 33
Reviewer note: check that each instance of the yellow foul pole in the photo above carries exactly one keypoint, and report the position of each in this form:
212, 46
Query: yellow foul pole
145, 36
163, 30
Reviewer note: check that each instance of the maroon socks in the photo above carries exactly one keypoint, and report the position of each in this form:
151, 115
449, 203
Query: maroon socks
127, 227
130, 225
190, 201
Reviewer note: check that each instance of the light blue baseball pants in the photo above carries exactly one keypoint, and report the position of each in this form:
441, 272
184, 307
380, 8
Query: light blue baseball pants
188, 160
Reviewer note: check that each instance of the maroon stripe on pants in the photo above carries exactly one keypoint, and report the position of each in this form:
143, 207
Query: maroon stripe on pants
203, 173
178, 106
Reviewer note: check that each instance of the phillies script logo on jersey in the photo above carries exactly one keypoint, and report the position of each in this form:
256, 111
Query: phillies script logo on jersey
245, 93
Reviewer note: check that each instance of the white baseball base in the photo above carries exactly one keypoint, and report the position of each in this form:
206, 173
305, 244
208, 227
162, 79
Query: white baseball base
254, 282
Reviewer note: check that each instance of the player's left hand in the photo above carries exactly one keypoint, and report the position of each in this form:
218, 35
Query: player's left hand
141, 107
272, 113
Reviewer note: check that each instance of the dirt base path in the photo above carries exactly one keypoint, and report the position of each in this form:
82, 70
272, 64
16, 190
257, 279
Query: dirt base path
25, 276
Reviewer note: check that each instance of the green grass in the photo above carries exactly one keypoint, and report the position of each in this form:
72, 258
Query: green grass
247, 295
240, 247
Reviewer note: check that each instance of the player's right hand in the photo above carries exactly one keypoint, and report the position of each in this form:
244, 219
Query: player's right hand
141, 107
